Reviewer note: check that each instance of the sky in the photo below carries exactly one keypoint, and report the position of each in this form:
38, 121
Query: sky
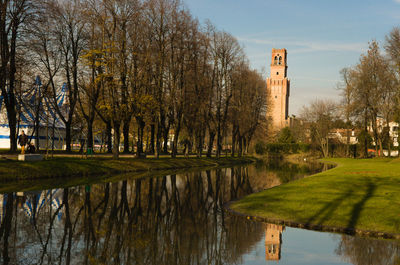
321, 36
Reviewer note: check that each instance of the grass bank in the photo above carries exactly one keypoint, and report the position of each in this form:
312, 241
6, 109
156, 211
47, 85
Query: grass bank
358, 196
12, 170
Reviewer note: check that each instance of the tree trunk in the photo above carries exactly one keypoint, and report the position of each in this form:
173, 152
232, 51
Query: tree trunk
116, 140
347, 142
199, 144
240, 152
165, 136
325, 146
11, 86
210, 143
152, 138
245, 146
175, 141
12, 122
389, 144
90, 134
190, 146
219, 142
233, 141
68, 136
365, 151
37, 127
158, 142
109, 137
380, 147
125, 132
6, 227
139, 147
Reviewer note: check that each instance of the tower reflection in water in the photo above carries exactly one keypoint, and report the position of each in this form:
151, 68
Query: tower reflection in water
273, 241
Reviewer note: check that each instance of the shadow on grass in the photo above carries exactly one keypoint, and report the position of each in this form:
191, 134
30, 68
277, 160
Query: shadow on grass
358, 207
326, 212
329, 209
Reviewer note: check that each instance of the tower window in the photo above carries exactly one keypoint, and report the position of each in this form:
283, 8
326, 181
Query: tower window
280, 60
277, 73
276, 60
276, 96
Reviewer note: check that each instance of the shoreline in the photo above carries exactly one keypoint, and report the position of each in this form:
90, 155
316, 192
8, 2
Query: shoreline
355, 198
313, 227
68, 167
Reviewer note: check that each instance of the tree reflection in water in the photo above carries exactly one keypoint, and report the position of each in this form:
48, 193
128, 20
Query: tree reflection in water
176, 219
368, 251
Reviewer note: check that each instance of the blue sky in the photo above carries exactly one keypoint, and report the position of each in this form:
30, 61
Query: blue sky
321, 36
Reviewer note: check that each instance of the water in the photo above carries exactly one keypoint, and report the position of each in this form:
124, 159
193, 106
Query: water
174, 219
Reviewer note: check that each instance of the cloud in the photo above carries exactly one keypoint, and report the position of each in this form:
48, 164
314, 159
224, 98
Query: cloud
397, 1
310, 46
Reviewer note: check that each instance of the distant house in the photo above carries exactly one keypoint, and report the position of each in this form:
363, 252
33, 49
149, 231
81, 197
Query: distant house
341, 135
393, 130
393, 134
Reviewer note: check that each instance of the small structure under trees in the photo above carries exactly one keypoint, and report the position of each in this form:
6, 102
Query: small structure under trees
36, 115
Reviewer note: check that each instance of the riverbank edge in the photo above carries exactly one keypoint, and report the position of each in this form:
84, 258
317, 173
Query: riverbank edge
313, 227
310, 226
63, 167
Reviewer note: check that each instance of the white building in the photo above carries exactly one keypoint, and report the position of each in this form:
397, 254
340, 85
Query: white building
51, 128
393, 133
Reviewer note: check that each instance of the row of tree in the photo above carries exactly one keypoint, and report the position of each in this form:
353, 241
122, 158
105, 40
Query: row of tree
131, 66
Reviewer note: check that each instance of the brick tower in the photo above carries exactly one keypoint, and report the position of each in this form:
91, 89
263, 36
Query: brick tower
278, 88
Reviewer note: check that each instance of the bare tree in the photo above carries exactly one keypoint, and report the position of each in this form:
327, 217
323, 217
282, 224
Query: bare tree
248, 106
371, 74
13, 16
320, 115
347, 89
69, 28
226, 54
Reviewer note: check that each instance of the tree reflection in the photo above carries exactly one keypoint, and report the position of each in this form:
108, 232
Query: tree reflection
176, 219
368, 251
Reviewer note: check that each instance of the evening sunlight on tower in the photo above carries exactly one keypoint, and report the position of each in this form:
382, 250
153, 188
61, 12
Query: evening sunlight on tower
278, 87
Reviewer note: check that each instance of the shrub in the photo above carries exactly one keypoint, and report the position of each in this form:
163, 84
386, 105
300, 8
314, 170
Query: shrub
260, 148
281, 148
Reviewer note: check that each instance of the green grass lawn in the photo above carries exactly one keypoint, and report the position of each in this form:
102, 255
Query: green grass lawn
359, 194
12, 170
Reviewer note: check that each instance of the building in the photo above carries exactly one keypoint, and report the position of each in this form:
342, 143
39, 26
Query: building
273, 241
37, 110
341, 135
393, 130
278, 88
392, 127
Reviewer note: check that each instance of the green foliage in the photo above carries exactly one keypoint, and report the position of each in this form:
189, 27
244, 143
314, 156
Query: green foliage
281, 148
286, 136
260, 148
336, 149
361, 139
278, 148
304, 148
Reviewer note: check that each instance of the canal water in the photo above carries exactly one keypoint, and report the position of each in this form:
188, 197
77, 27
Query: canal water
173, 219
